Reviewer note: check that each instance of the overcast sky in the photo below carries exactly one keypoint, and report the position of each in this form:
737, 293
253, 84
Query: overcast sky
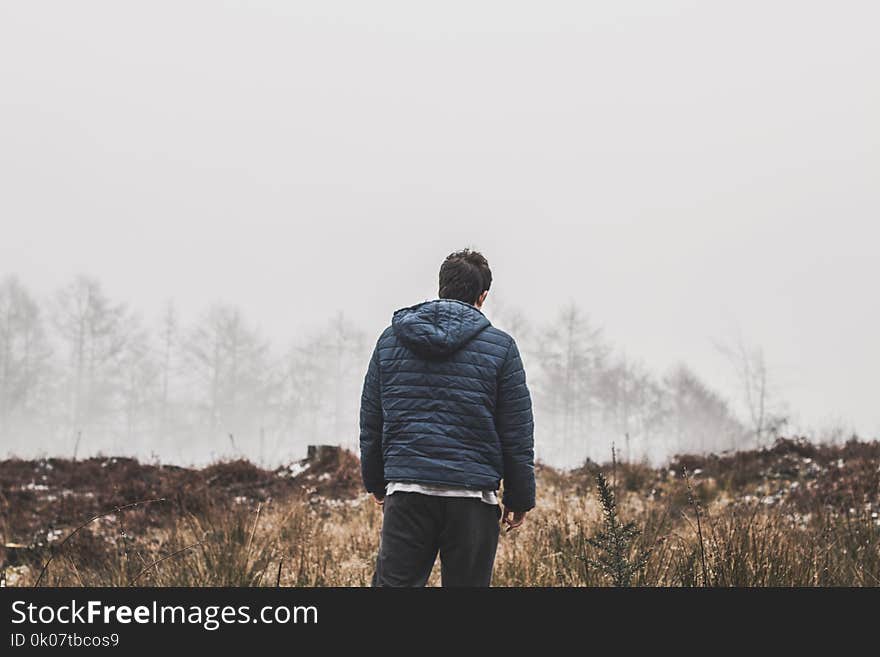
679, 169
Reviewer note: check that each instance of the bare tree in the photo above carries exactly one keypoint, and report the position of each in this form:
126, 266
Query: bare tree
321, 385
169, 335
307, 385
751, 371
24, 356
229, 362
92, 329
571, 356
140, 384
346, 346
625, 389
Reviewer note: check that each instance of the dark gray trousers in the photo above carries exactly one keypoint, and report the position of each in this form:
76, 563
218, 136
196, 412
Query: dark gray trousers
416, 527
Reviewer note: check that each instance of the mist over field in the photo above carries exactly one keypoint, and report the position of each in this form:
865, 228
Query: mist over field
83, 374
208, 214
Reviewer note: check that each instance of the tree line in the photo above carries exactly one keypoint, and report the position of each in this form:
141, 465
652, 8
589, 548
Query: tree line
81, 373
590, 397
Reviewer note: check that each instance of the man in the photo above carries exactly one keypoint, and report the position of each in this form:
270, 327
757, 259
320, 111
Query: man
445, 416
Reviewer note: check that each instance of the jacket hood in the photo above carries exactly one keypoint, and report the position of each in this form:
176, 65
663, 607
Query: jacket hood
439, 328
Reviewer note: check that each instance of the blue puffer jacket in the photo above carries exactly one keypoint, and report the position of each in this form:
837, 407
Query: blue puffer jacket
445, 402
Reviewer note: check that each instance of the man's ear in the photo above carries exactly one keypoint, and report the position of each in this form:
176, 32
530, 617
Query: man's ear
482, 299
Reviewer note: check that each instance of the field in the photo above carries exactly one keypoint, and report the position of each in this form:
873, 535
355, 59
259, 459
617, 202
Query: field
794, 514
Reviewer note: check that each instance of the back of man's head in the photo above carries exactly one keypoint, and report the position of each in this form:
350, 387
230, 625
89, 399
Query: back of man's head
465, 275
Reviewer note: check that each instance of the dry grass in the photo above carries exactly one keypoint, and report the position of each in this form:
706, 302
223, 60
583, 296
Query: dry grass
796, 515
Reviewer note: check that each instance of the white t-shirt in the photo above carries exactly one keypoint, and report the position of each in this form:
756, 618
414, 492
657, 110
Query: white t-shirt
487, 496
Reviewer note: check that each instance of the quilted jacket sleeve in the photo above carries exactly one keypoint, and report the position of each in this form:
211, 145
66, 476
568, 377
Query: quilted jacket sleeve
372, 468
515, 425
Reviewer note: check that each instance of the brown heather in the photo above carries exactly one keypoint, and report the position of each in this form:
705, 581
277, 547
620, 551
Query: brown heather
793, 515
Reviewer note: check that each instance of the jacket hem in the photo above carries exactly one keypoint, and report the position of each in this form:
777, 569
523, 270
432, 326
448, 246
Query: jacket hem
438, 482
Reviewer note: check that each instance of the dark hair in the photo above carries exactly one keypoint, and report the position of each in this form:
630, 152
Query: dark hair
464, 275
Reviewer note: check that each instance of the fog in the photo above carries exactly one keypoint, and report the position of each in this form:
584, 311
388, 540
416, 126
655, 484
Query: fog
684, 174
